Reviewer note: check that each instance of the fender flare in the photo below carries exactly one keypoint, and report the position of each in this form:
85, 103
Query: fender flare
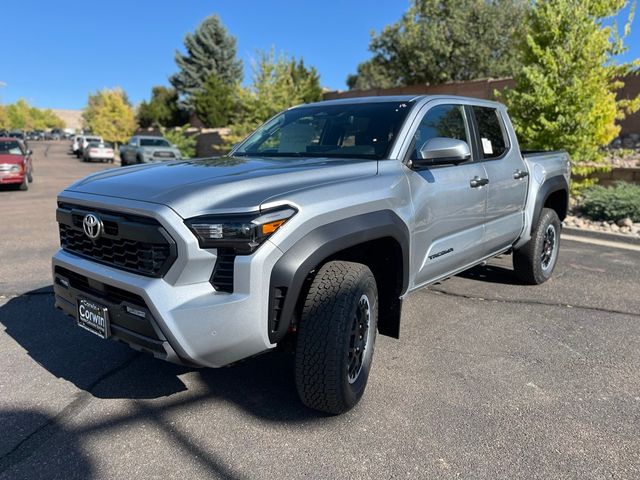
290, 272
551, 185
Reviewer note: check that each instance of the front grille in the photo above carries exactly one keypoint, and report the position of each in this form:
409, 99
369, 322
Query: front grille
128, 242
164, 154
222, 277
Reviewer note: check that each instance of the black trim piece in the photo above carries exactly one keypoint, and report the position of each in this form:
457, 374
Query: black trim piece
222, 276
292, 269
131, 329
550, 185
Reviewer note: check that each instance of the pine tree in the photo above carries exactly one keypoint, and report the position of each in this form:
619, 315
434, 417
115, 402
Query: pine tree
209, 50
214, 103
565, 95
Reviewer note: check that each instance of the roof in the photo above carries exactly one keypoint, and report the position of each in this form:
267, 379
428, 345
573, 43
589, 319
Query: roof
398, 98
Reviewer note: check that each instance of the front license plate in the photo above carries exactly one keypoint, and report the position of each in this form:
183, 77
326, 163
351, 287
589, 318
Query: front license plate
93, 317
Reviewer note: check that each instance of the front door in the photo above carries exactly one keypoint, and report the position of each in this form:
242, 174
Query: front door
449, 208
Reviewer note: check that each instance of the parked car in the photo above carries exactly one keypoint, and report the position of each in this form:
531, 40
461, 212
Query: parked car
309, 235
144, 149
19, 134
16, 166
84, 142
98, 152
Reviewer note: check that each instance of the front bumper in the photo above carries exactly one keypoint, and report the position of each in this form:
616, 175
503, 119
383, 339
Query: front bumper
188, 320
11, 178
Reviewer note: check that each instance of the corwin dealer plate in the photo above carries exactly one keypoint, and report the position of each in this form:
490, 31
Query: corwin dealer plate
93, 317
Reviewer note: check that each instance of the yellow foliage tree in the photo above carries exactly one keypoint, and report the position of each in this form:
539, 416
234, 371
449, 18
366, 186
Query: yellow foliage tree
109, 114
4, 118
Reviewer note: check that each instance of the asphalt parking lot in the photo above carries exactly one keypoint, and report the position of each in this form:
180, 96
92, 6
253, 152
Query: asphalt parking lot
490, 379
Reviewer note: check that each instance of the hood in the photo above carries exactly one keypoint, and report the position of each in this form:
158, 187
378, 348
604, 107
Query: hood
11, 159
196, 187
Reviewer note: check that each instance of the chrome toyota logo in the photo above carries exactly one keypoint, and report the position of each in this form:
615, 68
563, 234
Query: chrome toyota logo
92, 226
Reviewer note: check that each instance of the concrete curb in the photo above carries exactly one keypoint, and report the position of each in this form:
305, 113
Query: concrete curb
609, 236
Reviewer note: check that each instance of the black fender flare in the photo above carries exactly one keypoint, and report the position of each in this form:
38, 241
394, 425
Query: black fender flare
551, 185
290, 272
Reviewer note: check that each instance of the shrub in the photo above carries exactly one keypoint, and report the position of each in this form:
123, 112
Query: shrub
180, 138
613, 203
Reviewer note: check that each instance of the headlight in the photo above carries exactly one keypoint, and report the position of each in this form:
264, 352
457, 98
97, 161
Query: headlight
244, 233
15, 169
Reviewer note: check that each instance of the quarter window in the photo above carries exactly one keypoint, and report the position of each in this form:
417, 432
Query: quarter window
493, 141
440, 121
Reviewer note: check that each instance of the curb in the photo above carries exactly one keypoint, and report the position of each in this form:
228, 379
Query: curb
611, 237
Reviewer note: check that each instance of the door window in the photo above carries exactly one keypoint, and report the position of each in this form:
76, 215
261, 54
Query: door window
440, 121
493, 139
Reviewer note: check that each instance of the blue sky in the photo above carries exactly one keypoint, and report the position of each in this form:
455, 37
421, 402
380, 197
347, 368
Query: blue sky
55, 53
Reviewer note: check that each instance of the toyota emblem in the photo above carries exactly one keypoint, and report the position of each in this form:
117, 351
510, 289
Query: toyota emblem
92, 226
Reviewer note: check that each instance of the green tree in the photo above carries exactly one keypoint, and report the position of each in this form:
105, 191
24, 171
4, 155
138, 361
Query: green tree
215, 102
109, 114
278, 83
162, 110
209, 50
565, 95
438, 41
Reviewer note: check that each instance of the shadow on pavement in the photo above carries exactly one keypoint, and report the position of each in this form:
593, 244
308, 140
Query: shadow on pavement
263, 385
73, 463
491, 274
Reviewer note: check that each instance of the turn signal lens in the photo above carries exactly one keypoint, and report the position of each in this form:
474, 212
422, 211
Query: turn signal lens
269, 228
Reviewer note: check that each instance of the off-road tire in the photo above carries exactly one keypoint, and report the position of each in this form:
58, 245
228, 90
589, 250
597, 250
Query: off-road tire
334, 305
528, 260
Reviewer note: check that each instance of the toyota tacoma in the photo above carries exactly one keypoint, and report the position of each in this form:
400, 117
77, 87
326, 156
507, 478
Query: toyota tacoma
310, 234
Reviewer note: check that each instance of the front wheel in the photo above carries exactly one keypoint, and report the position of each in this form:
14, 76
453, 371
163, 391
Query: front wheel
336, 337
534, 262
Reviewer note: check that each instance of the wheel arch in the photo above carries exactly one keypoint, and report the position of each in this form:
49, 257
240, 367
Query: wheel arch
554, 194
378, 239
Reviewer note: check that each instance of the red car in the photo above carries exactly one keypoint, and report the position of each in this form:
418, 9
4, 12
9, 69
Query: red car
16, 166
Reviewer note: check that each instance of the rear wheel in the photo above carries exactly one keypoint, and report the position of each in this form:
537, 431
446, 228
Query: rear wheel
336, 337
534, 262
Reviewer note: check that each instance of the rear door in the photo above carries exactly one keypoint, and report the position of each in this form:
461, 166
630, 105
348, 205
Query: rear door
507, 173
448, 228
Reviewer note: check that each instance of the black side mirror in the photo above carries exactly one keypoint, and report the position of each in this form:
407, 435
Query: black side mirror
442, 151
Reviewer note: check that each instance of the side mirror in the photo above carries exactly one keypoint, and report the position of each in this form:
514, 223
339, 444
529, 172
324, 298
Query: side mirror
29, 152
442, 151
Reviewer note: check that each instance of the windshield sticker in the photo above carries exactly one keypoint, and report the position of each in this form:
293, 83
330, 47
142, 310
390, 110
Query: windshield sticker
487, 147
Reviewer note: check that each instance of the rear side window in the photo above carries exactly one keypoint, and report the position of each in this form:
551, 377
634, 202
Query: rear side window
493, 140
440, 121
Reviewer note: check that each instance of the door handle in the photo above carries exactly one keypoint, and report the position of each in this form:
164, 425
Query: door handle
477, 182
518, 174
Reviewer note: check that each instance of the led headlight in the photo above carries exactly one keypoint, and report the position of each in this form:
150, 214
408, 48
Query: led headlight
244, 233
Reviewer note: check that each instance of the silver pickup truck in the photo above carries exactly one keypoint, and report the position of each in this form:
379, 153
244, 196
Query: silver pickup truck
309, 235
147, 149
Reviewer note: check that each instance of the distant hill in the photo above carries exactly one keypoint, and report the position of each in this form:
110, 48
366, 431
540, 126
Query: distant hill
71, 118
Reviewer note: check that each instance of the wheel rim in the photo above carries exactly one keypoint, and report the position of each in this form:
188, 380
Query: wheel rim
548, 248
359, 339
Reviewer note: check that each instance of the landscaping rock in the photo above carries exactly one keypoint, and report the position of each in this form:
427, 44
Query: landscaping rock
625, 222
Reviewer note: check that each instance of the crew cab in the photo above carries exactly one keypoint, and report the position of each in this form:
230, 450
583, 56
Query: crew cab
16, 165
147, 149
309, 235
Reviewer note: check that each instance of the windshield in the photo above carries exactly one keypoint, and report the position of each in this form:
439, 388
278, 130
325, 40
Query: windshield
365, 130
153, 142
11, 148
